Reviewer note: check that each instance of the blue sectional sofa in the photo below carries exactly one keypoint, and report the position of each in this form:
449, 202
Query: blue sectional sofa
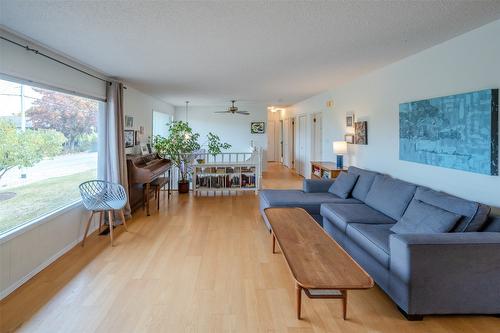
455, 272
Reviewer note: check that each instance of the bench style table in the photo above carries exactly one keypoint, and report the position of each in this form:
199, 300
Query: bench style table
317, 263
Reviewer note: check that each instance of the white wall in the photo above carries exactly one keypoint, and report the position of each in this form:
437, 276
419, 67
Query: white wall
22, 64
27, 253
466, 63
233, 129
141, 106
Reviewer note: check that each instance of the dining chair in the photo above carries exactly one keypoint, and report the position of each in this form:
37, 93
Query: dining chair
101, 196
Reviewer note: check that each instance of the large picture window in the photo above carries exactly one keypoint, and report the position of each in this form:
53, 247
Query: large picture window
48, 146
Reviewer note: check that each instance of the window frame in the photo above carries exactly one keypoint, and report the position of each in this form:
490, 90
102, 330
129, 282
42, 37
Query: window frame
42, 219
32, 224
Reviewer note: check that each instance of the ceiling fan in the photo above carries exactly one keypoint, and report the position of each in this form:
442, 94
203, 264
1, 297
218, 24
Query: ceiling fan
234, 109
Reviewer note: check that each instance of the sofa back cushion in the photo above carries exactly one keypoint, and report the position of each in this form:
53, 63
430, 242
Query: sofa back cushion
422, 218
343, 185
493, 224
364, 182
473, 215
390, 196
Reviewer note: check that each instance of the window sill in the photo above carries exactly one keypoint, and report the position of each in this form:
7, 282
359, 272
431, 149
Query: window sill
13, 233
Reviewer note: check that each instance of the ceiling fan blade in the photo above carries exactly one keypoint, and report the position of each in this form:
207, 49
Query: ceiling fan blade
222, 112
246, 113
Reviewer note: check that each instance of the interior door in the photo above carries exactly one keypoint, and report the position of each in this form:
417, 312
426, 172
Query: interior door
293, 141
286, 143
280, 144
301, 160
271, 141
317, 135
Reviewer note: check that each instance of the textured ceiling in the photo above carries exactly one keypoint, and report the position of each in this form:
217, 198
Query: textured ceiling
270, 52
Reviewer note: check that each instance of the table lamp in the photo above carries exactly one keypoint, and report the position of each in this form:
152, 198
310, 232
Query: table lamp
340, 149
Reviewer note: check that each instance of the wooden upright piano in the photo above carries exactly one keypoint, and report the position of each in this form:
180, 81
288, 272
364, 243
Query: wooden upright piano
142, 170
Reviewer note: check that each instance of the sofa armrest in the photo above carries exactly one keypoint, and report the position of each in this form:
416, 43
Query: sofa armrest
317, 185
446, 273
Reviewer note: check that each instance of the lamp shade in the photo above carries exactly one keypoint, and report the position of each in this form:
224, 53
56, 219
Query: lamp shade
340, 147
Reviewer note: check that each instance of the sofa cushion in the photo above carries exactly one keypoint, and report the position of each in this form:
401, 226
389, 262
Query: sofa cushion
373, 238
422, 218
473, 214
390, 196
297, 198
364, 182
343, 185
342, 214
492, 225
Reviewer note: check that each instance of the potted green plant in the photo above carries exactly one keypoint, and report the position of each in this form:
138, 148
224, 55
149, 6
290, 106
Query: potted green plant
179, 146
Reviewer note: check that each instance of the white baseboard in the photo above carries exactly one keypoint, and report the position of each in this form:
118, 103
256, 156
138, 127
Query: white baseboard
7, 291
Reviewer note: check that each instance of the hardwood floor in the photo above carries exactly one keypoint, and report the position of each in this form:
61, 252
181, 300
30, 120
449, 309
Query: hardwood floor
202, 264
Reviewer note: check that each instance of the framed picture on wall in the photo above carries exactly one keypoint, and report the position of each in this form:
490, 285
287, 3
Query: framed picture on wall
349, 138
349, 119
361, 133
258, 127
129, 138
129, 121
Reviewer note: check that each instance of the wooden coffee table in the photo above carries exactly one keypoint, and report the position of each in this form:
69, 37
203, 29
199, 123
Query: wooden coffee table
317, 263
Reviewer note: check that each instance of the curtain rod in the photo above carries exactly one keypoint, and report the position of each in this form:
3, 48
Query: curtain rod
27, 48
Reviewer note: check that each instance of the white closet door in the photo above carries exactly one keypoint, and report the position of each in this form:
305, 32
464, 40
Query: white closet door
286, 144
302, 145
271, 141
317, 144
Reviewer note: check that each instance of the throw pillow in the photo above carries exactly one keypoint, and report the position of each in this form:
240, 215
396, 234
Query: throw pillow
343, 184
422, 218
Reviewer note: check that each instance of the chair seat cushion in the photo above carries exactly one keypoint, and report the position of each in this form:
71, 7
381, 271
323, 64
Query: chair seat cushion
373, 238
296, 198
342, 214
343, 185
422, 218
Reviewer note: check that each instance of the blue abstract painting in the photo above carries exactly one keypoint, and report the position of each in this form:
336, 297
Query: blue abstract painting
458, 132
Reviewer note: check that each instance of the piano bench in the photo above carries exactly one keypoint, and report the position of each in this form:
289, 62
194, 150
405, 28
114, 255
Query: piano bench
157, 185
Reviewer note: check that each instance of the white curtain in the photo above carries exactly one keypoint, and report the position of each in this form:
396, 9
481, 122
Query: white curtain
112, 164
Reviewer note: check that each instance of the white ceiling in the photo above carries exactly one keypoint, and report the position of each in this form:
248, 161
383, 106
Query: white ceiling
256, 51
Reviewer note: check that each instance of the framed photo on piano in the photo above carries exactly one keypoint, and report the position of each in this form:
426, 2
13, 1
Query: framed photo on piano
144, 150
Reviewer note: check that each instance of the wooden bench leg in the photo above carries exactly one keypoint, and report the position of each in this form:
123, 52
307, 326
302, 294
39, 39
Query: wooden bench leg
344, 303
298, 299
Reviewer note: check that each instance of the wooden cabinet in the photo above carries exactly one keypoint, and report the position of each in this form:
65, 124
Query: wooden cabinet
325, 170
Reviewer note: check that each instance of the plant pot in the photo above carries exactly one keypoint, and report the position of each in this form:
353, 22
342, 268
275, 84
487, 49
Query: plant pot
183, 187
